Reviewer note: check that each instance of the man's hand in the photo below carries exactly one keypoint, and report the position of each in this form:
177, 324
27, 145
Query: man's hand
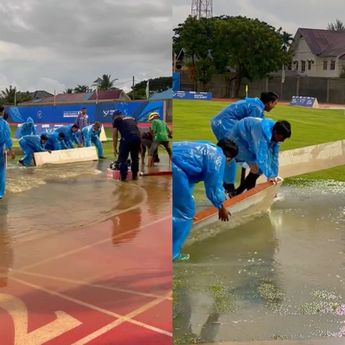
11, 153
274, 180
254, 168
223, 214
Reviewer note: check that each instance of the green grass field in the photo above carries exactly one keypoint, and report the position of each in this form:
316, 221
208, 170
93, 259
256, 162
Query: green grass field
191, 121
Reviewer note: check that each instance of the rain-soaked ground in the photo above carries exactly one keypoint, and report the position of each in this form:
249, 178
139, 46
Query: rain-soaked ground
84, 259
280, 276
42, 200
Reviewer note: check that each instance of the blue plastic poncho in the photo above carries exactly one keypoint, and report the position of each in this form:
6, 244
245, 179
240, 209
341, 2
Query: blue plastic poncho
30, 144
28, 127
70, 137
53, 143
5, 143
253, 138
90, 135
194, 162
226, 118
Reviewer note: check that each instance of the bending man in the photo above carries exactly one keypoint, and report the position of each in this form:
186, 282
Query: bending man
258, 142
6, 148
193, 162
223, 122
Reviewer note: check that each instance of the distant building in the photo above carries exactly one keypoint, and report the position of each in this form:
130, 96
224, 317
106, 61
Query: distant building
318, 53
43, 97
39, 94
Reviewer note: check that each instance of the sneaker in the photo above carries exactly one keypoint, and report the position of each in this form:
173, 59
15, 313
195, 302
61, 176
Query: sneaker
21, 161
135, 177
123, 179
182, 257
157, 160
229, 189
102, 157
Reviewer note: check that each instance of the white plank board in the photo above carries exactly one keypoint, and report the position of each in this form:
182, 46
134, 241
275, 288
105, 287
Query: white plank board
81, 154
311, 158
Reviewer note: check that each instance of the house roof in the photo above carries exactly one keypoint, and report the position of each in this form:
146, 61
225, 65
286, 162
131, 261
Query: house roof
38, 94
82, 97
323, 43
109, 94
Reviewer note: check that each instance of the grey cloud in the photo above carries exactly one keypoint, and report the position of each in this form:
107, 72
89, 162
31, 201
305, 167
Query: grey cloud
86, 36
290, 15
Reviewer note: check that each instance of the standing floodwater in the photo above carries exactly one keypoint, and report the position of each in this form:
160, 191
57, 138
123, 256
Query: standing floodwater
50, 199
280, 276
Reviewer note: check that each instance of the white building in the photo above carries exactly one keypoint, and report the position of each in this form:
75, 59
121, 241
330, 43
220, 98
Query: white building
318, 53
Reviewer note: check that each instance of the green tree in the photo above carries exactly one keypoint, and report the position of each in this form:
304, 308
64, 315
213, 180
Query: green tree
337, 26
195, 36
159, 84
247, 47
8, 95
251, 48
287, 40
23, 96
105, 82
204, 69
81, 88
69, 90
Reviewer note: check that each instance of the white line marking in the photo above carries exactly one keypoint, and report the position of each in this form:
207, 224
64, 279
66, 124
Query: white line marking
116, 323
88, 284
73, 251
20, 316
122, 318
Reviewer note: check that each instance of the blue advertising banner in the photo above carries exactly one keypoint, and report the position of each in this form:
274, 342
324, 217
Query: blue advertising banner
192, 95
302, 101
40, 128
139, 110
176, 83
50, 114
68, 113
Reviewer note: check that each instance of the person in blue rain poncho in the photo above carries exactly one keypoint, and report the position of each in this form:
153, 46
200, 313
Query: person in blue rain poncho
55, 141
28, 128
6, 149
258, 142
70, 132
31, 144
91, 134
194, 162
222, 123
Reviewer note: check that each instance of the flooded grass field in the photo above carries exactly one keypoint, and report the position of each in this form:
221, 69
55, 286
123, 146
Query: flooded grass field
279, 276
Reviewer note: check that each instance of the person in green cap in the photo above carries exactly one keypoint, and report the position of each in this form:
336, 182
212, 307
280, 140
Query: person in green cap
161, 134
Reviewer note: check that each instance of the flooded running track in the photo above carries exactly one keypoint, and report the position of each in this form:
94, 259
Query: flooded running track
84, 259
280, 276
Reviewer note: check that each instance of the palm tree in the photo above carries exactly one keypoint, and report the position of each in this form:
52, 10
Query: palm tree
105, 82
287, 40
69, 90
337, 26
9, 94
81, 88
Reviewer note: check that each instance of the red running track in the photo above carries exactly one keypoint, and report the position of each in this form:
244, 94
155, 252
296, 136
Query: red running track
106, 284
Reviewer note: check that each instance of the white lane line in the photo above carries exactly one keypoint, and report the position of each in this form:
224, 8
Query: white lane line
88, 284
116, 323
77, 250
121, 318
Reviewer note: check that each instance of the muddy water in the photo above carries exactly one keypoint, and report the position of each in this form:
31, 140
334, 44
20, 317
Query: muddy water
280, 276
41, 201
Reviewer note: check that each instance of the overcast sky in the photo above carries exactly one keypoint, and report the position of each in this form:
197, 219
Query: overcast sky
288, 14
57, 44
